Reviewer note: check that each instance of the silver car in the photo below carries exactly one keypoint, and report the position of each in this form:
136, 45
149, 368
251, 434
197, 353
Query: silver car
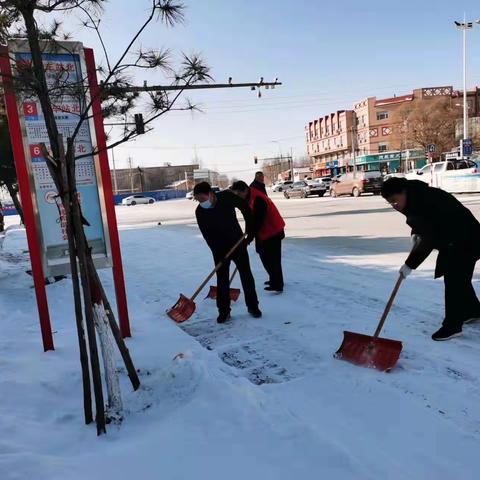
137, 200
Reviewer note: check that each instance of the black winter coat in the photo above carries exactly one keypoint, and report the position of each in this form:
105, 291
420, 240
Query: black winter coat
259, 186
219, 225
443, 224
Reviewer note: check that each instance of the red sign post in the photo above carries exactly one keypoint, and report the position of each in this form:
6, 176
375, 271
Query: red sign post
118, 277
27, 203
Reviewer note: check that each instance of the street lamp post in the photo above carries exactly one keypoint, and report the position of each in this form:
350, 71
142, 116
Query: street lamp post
464, 26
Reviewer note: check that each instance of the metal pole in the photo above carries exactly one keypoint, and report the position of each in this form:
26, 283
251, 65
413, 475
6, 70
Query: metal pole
291, 162
131, 174
465, 109
354, 151
115, 184
163, 88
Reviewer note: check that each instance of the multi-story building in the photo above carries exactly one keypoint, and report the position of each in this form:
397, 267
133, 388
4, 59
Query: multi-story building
367, 137
329, 141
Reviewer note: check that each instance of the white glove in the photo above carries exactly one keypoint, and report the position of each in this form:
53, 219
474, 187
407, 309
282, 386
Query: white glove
405, 271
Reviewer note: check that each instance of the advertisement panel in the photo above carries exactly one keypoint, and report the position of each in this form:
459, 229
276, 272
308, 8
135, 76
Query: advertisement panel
65, 72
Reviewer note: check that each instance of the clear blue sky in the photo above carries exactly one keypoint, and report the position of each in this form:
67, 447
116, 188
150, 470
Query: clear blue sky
327, 54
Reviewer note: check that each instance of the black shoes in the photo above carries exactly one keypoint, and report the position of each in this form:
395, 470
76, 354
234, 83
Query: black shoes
223, 317
273, 289
266, 282
255, 312
446, 333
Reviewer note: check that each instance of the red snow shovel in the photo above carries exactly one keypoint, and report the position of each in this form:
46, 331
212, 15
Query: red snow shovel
234, 292
185, 306
373, 352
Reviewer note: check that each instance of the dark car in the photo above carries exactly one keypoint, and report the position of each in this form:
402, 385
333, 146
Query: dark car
304, 189
356, 183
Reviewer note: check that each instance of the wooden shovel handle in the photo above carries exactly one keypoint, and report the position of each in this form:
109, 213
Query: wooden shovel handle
233, 275
217, 267
388, 306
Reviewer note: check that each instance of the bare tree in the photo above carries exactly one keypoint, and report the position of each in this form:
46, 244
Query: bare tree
422, 122
23, 19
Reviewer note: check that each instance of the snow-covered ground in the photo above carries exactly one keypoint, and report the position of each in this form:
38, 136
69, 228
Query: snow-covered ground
253, 398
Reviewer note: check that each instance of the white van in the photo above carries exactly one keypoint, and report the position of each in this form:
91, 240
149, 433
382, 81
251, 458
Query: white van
455, 176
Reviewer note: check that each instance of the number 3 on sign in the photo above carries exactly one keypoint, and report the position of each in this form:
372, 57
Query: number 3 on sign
30, 108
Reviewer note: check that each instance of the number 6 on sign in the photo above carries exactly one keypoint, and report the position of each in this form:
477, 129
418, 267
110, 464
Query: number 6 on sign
36, 151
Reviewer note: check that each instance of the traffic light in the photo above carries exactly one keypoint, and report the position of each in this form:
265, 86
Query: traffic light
255, 160
139, 125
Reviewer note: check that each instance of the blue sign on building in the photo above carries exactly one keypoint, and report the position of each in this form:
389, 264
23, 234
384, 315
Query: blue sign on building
467, 146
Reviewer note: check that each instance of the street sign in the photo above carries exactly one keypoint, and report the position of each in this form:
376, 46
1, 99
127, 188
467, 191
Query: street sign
431, 148
68, 65
43, 215
467, 146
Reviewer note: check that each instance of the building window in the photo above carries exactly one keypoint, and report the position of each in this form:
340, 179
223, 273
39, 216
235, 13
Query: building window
382, 115
383, 147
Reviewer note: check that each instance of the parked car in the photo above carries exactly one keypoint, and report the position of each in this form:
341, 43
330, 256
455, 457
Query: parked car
281, 186
137, 200
327, 181
455, 176
304, 189
387, 176
357, 183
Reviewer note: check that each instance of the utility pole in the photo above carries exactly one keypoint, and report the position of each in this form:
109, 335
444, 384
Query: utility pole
464, 27
465, 106
291, 162
130, 173
354, 150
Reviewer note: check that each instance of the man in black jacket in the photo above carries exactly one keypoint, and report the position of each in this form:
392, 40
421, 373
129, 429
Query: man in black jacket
217, 220
259, 182
440, 222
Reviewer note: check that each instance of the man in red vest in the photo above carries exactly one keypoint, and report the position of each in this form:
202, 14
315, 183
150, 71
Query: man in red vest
268, 226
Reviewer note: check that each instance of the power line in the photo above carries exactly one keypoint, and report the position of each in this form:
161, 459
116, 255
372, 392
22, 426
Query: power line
207, 147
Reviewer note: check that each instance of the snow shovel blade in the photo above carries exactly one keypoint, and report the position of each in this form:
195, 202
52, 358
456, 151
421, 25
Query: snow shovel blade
234, 293
363, 350
182, 310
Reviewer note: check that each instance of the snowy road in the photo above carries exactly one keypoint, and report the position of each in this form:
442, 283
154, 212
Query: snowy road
258, 399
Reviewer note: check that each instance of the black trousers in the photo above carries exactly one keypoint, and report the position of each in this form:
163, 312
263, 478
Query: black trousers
242, 261
270, 252
461, 302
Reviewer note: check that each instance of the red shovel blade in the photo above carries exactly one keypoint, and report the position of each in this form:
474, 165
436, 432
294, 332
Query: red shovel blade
182, 310
363, 350
234, 293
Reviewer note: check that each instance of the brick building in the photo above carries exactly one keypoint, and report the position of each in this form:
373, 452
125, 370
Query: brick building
364, 135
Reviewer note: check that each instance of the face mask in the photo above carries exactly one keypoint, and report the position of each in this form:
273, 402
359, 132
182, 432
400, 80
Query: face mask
206, 204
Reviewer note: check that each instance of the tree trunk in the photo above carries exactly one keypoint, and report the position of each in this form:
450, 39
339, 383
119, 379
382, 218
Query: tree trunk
13, 192
84, 360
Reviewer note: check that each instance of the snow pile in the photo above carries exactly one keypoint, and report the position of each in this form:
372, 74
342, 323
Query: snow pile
254, 398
